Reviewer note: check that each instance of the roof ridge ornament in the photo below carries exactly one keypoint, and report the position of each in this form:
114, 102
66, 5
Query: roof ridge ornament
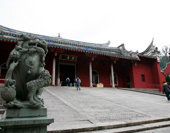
151, 51
126, 52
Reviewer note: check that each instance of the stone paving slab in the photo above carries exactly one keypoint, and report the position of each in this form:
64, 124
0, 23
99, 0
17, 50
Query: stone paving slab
90, 107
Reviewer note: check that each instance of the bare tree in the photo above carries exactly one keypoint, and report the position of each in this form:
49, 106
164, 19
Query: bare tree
164, 56
165, 51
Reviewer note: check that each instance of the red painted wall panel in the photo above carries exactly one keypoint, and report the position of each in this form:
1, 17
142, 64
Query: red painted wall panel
120, 74
123, 69
150, 68
157, 75
83, 72
104, 71
142, 69
129, 73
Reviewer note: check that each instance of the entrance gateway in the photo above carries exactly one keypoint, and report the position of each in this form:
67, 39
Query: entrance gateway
67, 70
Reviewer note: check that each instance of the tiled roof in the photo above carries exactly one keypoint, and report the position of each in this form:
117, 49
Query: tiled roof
49, 38
150, 52
7, 34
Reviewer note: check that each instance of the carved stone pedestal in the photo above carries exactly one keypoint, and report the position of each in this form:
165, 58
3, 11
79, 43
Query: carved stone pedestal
25, 121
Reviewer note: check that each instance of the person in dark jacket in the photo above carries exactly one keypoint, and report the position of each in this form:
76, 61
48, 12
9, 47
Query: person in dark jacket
166, 90
78, 82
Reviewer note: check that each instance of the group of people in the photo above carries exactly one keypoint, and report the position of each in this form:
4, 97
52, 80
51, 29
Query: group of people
77, 82
166, 89
166, 86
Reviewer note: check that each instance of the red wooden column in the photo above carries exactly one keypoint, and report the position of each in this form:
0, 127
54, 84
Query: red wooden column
90, 73
58, 74
112, 75
54, 70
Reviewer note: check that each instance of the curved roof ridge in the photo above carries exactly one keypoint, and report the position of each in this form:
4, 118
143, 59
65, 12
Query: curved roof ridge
13, 31
122, 47
148, 48
151, 51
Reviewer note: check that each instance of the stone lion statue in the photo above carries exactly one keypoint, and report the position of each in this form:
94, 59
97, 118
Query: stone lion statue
26, 75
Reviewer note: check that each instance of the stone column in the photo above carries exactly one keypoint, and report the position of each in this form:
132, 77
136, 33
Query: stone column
112, 76
58, 74
90, 73
54, 70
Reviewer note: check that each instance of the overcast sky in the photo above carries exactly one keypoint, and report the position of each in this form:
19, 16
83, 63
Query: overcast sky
132, 22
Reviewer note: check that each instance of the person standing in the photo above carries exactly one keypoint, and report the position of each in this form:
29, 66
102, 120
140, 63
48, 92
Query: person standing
78, 82
67, 81
166, 90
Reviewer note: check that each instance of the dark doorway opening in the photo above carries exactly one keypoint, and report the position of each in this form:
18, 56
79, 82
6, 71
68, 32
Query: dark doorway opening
67, 70
128, 81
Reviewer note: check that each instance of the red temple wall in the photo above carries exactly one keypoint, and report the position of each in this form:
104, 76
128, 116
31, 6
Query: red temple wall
142, 69
104, 71
130, 73
123, 70
83, 72
120, 74
151, 70
157, 75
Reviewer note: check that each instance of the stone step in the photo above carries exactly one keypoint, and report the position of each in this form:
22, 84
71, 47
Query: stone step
143, 127
149, 91
121, 128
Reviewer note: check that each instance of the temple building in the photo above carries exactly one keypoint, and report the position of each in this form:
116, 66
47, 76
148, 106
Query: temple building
92, 63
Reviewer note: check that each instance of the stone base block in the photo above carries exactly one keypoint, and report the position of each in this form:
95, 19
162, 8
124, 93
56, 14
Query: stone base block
25, 121
22, 113
25, 125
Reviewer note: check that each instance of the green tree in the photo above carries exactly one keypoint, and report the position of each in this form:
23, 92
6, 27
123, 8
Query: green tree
167, 78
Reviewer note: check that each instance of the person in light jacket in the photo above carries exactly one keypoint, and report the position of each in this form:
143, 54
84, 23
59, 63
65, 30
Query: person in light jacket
67, 81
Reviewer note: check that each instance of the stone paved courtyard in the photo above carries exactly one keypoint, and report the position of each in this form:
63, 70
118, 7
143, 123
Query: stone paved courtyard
91, 107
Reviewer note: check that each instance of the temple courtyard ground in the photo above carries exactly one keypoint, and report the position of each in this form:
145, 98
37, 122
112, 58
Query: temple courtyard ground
106, 110
115, 110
